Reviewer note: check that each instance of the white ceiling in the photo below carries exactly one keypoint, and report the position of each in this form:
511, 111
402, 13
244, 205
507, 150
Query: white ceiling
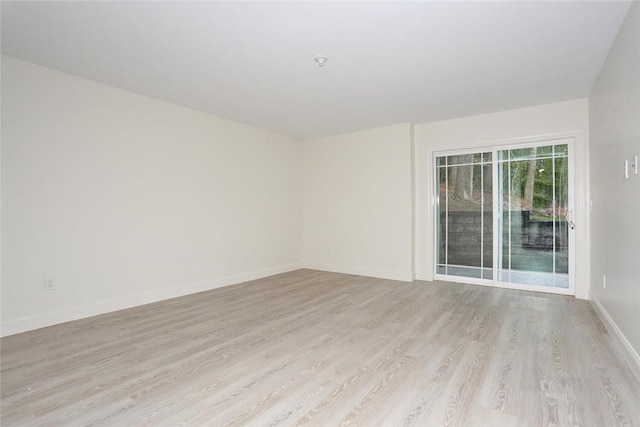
388, 62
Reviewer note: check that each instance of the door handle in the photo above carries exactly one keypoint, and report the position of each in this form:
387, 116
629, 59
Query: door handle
569, 217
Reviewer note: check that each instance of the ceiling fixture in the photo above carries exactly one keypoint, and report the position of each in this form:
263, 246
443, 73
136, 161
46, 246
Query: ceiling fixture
320, 60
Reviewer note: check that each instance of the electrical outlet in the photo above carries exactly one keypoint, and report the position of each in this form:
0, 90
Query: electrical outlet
49, 284
604, 281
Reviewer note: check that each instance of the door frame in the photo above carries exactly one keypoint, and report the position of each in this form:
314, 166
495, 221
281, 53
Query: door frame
573, 198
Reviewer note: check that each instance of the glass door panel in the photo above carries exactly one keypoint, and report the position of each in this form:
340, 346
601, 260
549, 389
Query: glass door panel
533, 210
464, 215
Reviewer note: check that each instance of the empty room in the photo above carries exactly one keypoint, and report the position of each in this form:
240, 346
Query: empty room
320, 213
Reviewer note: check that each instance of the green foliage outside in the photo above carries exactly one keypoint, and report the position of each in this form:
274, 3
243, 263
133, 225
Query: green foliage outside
528, 179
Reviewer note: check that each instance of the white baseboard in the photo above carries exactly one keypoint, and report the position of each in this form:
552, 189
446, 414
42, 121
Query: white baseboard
625, 347
368, 272
425, 277
133, 300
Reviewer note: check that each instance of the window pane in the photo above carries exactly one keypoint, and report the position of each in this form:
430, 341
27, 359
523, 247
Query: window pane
464, 225
533, 240
545, 151
464, 159
522, 153
561, 149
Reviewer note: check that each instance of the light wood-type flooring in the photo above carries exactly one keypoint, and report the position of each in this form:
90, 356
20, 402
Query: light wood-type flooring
324, 349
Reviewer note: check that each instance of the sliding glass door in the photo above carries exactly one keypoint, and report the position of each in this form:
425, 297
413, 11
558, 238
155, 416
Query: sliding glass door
503, 216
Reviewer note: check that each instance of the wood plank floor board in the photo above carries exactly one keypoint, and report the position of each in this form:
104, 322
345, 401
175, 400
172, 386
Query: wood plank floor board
312, 348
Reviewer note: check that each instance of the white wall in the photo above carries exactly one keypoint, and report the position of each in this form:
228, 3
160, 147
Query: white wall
125, 199
525, 124
614, 112
358, 203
